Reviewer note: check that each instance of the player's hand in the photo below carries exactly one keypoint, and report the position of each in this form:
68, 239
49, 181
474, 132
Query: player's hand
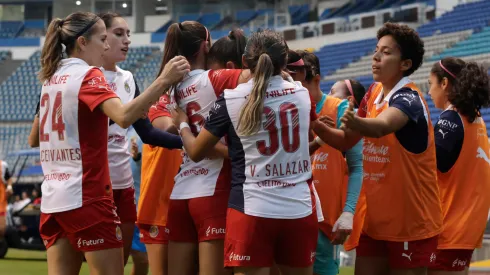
175, 70
9, 192
349, 118
342, 228
134, 148
327, 121
178, 116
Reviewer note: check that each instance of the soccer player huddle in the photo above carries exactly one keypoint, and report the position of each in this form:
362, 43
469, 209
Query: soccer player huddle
248, 166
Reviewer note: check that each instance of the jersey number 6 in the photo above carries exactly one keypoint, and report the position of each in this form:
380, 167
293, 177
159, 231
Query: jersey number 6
56, 118
290, 144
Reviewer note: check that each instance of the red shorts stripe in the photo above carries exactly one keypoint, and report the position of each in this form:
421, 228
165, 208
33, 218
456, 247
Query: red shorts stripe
90, 228
259, 242
401, 255
125, 204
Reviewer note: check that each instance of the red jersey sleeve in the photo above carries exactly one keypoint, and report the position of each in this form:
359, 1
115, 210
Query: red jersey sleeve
313, 115
160, 108
94, 89
224, 79
362, 111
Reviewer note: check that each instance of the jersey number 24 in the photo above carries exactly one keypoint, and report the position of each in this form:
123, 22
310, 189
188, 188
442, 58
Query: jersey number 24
57, 124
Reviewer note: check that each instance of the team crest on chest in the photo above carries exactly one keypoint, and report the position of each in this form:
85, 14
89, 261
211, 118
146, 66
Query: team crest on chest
126, 87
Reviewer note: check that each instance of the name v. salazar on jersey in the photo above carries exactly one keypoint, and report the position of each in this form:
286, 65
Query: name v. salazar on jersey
282, 169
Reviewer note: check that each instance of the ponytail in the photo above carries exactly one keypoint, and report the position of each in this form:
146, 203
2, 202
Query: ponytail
52, 52
61, 38
251, 113
240, 40
471, 91
228, 48
183, 39
171, 47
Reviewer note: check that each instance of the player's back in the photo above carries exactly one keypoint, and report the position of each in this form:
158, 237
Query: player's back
196, 95
271, 168
73, 137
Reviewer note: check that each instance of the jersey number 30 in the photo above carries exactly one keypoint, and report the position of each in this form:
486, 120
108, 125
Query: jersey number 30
57, 124
288, 129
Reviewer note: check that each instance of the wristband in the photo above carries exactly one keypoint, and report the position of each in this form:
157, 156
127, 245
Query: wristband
319, 141
183, 125
9, 188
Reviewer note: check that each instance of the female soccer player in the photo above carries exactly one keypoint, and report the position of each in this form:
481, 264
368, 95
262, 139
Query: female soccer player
198, 203
77, 209
157, 183
403, 210
349, 89
158, 169
226, 52
123, 83
461, 89
271, 214
337, 179
296, 66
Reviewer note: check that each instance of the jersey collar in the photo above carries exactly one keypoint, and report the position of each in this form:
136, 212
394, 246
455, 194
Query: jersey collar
404, 81
73, 60
194, 72
272, 80
119, 71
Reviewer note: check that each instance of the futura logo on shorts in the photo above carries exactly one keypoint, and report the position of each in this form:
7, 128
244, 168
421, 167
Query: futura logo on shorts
432, 257
236, 257
214, 231
85, 243
459, 262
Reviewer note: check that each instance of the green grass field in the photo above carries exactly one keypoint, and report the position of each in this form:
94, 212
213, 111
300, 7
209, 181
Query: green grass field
20, 262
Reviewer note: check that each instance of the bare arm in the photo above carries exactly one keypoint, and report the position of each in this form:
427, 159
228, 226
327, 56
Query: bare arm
33, 138
197, 148
313, 146
220, 150
338, 139
126, 115
389, 121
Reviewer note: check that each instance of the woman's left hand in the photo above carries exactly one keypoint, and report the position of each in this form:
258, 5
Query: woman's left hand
178, 116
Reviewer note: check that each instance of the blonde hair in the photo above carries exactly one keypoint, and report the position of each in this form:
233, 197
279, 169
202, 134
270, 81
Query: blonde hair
266, 55
64, 31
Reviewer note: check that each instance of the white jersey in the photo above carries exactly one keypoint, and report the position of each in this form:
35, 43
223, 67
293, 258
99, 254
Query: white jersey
123, 84
73, 137
196, 96
271, 169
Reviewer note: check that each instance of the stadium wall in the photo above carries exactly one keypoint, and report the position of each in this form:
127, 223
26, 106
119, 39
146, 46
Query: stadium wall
322, 5
153, 22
